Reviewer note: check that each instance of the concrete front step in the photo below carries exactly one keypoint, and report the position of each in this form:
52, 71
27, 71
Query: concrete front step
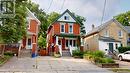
66, 53
25, 53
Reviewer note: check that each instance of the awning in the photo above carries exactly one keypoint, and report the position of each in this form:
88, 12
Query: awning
108, 39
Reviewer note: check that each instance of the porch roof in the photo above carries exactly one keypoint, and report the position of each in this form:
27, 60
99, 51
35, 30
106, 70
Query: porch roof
67, 35
108, 39
30, 33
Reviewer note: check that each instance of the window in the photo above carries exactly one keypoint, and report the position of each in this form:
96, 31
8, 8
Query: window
59, 42
120, 33
66, 43
62, 28
70, 28
121, 45
106, 33
74, 43
116, 46
70, 42
66, 17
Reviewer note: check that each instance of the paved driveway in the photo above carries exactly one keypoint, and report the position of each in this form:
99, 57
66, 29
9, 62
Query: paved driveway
50, 65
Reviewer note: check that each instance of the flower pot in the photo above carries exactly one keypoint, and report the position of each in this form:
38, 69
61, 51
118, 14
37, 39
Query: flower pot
42, 52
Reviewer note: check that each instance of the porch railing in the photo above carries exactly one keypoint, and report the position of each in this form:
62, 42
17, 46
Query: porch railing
60, 50
71, 50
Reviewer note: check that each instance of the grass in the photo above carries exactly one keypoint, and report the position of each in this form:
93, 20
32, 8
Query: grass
4, 59
119, 70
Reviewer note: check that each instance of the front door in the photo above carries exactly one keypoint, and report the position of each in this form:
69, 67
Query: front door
111, 47
63, 44
29, 43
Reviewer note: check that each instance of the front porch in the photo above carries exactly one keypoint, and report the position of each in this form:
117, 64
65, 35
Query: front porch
65, 45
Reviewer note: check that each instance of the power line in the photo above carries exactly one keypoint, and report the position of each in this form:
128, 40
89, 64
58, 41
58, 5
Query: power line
62, 5
104, 7
50, 6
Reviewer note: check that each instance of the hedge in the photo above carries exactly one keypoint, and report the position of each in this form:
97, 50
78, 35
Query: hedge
123, 49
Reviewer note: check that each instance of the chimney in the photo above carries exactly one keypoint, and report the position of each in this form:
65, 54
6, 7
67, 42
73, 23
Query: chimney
93, 26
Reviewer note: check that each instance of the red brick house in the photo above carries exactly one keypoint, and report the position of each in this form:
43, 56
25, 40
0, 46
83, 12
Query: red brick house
30, 41
63, 34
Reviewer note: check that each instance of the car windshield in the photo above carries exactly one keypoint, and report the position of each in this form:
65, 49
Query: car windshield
127, 52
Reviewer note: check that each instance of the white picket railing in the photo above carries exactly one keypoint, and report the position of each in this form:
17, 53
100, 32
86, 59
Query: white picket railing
71, 49
60, 50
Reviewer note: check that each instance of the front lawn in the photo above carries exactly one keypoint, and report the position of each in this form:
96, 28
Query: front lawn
5, 58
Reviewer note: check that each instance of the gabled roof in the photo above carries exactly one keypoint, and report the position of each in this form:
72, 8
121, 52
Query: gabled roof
66, 11
128, 29
101, 27
31, 16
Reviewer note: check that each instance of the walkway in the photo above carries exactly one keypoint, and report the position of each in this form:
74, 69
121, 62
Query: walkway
50, 65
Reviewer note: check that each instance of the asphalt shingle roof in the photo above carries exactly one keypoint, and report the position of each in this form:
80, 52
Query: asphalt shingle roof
101, 27
108, 39
127, 29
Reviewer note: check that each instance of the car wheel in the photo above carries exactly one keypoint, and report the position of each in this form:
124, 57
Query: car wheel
120, 58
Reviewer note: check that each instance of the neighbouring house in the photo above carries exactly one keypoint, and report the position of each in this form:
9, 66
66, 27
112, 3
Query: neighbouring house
63, 34
106, 37
29, 42
128, 38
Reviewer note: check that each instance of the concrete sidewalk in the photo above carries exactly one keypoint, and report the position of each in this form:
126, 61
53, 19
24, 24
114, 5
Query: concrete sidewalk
50, 65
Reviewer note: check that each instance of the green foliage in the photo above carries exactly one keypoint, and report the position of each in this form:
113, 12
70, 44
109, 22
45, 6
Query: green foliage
98, 54
41, 42
52, 17
13, 29
97, 57
123, 18
8, 54
77, 53
123, 49
80, 20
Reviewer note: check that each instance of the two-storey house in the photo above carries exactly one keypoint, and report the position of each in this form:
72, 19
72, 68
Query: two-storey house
30, 41
64, 33
106, 37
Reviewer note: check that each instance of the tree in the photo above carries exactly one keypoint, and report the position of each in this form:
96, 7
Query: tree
123, 18
13, 29
81, 19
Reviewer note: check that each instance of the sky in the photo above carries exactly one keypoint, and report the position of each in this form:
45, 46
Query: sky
92, 10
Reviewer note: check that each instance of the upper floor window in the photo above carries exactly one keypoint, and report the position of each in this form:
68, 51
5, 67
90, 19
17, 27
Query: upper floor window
66, 17
106, 33
62, 28
70, 28
120, 33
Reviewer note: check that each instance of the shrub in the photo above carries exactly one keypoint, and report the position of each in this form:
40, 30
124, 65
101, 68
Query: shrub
8, 53
123, 49
97, 57
98, 54
107, 60
77, 53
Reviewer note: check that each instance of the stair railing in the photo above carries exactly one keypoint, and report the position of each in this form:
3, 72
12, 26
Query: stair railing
60, 50
71, 50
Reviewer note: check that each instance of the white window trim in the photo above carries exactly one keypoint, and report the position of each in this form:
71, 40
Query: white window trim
27, 43
60, 27
121, 33
106, 33
70, 24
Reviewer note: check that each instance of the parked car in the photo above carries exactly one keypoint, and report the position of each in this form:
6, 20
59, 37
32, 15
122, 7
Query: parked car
124, 56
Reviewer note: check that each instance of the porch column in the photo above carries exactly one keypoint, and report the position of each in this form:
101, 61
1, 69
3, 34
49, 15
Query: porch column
82, 44
56, 40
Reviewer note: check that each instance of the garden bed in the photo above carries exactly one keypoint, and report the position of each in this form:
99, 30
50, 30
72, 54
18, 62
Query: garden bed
108, 65
98, 58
